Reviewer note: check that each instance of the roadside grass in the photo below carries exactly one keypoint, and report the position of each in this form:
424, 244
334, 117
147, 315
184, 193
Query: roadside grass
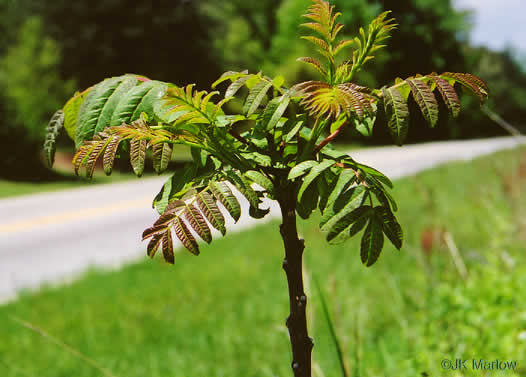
223, 314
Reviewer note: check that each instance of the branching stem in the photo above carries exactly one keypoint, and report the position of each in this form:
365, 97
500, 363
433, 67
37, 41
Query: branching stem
329, 138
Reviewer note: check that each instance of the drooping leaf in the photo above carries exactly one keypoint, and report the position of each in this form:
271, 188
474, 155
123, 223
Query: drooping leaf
302, 168
53, 128
229, 75
198, 223
236, 85
473, 83
110, 153
372, 241
184, 235
315, 64
106, 113
154, 244
397, 113
168, 247
211, 211
243, 185
274, 111
449, 95
373, 172
358, 225
340, 231
222, 192
308, 202
71, 111
425, 99
261, 180
391, 227
345, 179
351, 200
161, 155
98, 149
138, 156
91, 109
313, 174
255, 96
139, 99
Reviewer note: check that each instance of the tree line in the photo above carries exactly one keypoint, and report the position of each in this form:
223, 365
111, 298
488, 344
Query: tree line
51, 49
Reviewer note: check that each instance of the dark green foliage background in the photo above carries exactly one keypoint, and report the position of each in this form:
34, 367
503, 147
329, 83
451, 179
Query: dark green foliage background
186, 41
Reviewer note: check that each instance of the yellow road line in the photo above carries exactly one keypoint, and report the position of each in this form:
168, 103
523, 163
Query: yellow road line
65, 217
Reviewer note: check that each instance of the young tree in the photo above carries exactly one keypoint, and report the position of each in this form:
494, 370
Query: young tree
277, 147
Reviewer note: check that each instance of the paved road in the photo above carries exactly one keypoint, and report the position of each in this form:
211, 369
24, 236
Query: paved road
52, 237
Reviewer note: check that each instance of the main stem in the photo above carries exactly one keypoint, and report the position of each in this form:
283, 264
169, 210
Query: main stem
292, 264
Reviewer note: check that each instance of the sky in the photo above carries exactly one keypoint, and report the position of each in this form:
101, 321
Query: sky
497, 23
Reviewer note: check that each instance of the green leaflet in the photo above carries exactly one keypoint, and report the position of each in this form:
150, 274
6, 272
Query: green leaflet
52, 130
351, 200
91, 108
211, 211
173, 186
358, 225
222, 192
184, 235
230, 75
235, 86
138, 99
345, 179
168, 248
244, 187
313, 174
258, 158
372, 240
425, 99
301, 169
161, 155
449, 95
294, 131
256, 96
261, 180
364, 126
138, 156
308, 202
375, 173
397, 113
198, 223
471, 82
340, 231
183, 107
391, 227
112, 102
274, 111
71, 111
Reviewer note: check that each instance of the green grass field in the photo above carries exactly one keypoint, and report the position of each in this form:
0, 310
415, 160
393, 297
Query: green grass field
223, 313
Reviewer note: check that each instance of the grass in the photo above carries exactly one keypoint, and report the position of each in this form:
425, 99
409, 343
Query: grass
222, 314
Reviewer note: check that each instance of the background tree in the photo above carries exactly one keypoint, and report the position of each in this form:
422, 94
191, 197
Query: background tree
27, 102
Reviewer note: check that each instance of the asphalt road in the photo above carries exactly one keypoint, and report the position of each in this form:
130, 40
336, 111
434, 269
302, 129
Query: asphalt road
52, 237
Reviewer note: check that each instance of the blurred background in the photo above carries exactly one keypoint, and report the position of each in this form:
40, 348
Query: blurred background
49, 49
